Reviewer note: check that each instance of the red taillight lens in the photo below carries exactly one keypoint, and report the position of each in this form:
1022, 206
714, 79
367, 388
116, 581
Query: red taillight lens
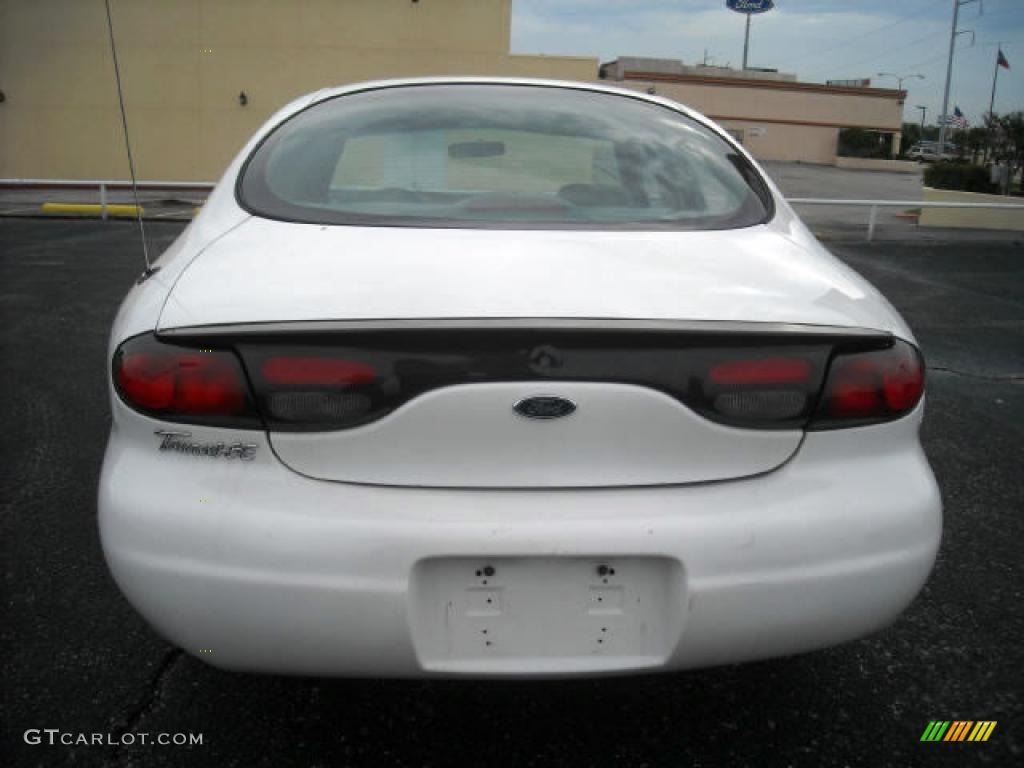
765, 391
769, 370
853, 390
315, 390
903, 381
146, 379
869, 387
180, 383
208, 382
316, 371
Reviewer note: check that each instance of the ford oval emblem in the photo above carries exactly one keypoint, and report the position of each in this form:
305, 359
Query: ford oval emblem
544, 407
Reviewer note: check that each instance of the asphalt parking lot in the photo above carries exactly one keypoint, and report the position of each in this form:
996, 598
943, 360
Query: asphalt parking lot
77, 658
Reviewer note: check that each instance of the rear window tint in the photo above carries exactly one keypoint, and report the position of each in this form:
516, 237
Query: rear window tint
500, 156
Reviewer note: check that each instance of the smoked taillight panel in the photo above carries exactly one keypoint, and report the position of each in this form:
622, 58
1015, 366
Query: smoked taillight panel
318, 382
184, 384
870, 387
325, 381
316, 371
762, 370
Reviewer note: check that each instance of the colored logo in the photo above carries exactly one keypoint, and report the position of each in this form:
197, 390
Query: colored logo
750, 6
958, 730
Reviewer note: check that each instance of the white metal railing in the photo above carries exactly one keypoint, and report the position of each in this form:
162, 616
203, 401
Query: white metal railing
102, 185
873, 205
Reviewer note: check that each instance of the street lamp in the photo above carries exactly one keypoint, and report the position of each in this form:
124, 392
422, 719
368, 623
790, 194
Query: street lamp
924, 111
899, 86
900, 78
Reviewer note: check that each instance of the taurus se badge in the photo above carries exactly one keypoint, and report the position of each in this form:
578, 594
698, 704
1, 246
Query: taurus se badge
177, 442
544, 407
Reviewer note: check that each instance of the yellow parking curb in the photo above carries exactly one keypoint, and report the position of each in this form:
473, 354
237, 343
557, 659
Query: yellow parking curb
93, 209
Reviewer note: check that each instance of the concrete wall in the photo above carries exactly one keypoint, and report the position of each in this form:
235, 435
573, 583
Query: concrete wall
971, 218
184, 63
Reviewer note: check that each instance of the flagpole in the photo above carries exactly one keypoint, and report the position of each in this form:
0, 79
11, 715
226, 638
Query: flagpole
995, 77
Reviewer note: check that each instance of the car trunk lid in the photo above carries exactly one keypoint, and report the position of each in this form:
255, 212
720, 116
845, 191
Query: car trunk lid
276, 271
399, 357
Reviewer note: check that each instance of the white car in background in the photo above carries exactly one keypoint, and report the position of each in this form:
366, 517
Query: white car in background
509, 378
928, 152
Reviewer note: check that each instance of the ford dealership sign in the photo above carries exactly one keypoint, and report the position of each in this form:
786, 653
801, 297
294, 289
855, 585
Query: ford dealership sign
750, 6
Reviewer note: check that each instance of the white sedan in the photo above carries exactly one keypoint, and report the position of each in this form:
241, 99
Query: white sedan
509, 378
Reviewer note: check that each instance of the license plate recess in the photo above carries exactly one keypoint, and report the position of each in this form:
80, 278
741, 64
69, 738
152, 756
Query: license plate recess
522, 615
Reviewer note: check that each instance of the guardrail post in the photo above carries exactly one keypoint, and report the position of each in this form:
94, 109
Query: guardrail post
103, 201
872, 217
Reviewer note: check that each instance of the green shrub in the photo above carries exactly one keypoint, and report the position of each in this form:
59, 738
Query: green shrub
960, 176
857, 142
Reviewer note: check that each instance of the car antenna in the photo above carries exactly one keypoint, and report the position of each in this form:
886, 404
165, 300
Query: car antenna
128, 146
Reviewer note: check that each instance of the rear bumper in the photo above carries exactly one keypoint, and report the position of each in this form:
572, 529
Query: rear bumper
253, 567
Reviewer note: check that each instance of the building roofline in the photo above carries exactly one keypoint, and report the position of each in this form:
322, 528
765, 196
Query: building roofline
564, 57
805, 123
780, 85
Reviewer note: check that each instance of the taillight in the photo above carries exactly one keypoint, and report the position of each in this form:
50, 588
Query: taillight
765, 391
870, 387
320, 371
324, 381
321, 382
769, 370
173, 383
316, 390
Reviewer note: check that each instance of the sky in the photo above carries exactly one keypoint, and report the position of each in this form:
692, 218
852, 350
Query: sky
817, 40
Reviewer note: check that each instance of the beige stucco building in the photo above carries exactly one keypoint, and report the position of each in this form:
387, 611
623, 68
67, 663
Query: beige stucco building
775, 116
186, 63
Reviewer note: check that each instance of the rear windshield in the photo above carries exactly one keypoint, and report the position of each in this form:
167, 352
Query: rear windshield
500, 156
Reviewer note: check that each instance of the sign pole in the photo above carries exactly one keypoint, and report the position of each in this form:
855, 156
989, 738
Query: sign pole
748, 8
746, 43
944, 118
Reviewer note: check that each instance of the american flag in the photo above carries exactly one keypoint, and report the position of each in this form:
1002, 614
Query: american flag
957, 119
